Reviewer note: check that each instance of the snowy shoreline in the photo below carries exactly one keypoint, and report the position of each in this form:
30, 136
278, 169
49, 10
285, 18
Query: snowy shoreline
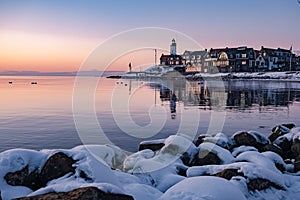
162, 72
247, 165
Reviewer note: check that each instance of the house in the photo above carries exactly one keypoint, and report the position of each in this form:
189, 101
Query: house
194, 60
240, 59
274, 59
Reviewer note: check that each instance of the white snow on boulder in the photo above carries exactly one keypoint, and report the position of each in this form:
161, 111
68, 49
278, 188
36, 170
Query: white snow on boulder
238, 150
220, 139
257, 158
204, 187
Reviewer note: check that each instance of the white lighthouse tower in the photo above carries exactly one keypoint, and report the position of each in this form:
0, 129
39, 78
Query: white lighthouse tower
173, 47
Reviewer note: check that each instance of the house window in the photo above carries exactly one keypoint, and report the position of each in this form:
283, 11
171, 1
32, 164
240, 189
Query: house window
223, 56
244, 62
244, 55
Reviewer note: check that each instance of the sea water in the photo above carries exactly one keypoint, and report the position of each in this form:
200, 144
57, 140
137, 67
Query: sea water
46, 115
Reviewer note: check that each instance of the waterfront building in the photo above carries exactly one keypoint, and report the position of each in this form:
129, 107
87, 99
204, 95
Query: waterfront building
194, 60
173, 60
240, 59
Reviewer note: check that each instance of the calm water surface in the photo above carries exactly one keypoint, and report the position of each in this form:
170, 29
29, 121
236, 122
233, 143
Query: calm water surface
39, 116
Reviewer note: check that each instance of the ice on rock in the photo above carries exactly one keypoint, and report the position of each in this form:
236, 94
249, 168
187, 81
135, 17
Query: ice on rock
94, 167
147, 161
110, 154
131, 161
179, 144
203, 187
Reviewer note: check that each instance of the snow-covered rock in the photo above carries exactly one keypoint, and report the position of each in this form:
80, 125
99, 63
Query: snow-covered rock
201, 188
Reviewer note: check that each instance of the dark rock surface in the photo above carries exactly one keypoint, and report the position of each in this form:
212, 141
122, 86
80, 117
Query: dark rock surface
295, 148
280, 130
228, 173
87, 193
205, 157
246, 139
23, 178
152, 146
199, 140
273, 148
285, 145
261, 184
297, 164
56, 166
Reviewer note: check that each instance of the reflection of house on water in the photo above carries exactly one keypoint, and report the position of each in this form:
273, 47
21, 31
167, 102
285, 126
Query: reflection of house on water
238, 95
262, 94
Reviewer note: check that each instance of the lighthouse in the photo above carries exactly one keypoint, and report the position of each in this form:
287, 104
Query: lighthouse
173, 47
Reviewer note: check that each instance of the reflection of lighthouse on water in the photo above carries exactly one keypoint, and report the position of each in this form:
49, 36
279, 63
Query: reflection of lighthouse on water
173, 105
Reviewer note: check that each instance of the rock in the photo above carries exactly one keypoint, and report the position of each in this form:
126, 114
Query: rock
219, 139
261, 184
285, 145
228, 173
199, 140
90, 193
206, 157
152, 146
250, 138
297, 164
56, 166
273, 148
185, 157
289, 125
245, 139
23, 178
295, 148
278, 131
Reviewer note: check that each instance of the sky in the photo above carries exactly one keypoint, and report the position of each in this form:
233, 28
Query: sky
59, 35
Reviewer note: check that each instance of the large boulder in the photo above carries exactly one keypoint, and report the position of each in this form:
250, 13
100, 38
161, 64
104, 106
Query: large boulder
91, 193
211, 154
250, 138
206, 158
56, 166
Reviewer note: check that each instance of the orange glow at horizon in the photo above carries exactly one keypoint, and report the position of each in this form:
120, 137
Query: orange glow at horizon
39, 52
